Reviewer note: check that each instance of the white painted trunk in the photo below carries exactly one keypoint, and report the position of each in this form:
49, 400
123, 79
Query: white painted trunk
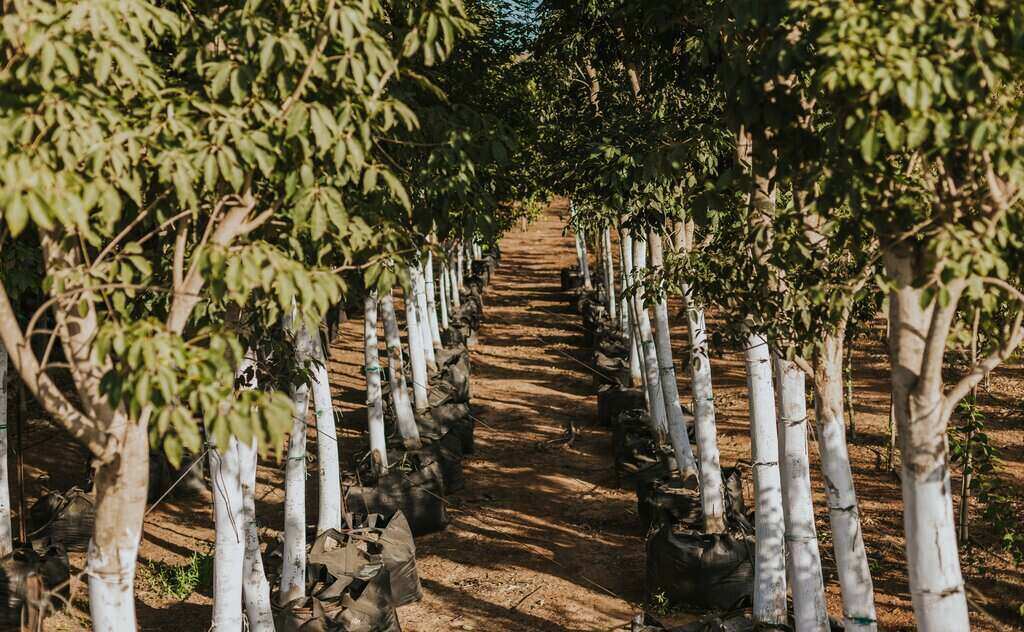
712, 490
454, 284
426, 335
581, 256
374, 397
667, 374
770, 558
445, 300
229, 550
6, 532
460, 271
805, 579
626, 251
113, 551
404, 418
918, 334
645, 336
328, 466
417, 357
293, 568
844, 514
609, 273
255, 587
430, 293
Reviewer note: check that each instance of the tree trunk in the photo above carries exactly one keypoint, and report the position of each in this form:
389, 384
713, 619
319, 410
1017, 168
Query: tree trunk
293, 567
609, 273
667, 373
809, 610
404, 417
429, 291
229, 551
461, 285
374, 398
770, 562
445, 302
652, 380
711, 489
626, 253
454, 285
6, 534
844, 514
328, 466
417, 357
255, 587
120, 506
426, 334
916, 341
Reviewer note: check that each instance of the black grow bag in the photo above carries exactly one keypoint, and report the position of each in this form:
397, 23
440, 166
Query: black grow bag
371, 541
689, 569
452, 418
64, 518
669, 500
419, 494
571, 278
613, 400
33, 586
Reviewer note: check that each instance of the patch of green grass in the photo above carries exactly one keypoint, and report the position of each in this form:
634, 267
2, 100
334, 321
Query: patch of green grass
179, 581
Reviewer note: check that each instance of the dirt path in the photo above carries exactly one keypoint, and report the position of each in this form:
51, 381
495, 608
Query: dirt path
539, 539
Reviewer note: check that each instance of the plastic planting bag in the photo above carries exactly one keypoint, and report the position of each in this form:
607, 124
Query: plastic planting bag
33, 586
732, 622
668, 500
614, 400
64, 518
689, 569
571, 278
418, 493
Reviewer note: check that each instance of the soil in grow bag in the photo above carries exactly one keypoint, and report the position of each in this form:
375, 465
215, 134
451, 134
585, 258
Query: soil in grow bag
610, 371
33, 586
417, 493
613, 400
446, 452
360, 603
669, 500
692, 570
64, 518
637, 458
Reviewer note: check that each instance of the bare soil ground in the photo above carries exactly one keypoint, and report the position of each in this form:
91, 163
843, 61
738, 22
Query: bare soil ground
542, 539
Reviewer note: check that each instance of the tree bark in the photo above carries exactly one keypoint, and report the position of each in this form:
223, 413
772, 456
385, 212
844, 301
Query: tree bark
770, 562
809, 610
445, 302
667, 373
626, 250
609, 272
229, 549
652, 380
6, 533
917, 341
711, 489
293, 568
120, 506
255, 587
328, 466
429, 291
404, 417
417, 356
374, 398
423, 314
454, 285
843, 511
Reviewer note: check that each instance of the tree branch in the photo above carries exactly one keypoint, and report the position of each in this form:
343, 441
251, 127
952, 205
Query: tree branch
45, 391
